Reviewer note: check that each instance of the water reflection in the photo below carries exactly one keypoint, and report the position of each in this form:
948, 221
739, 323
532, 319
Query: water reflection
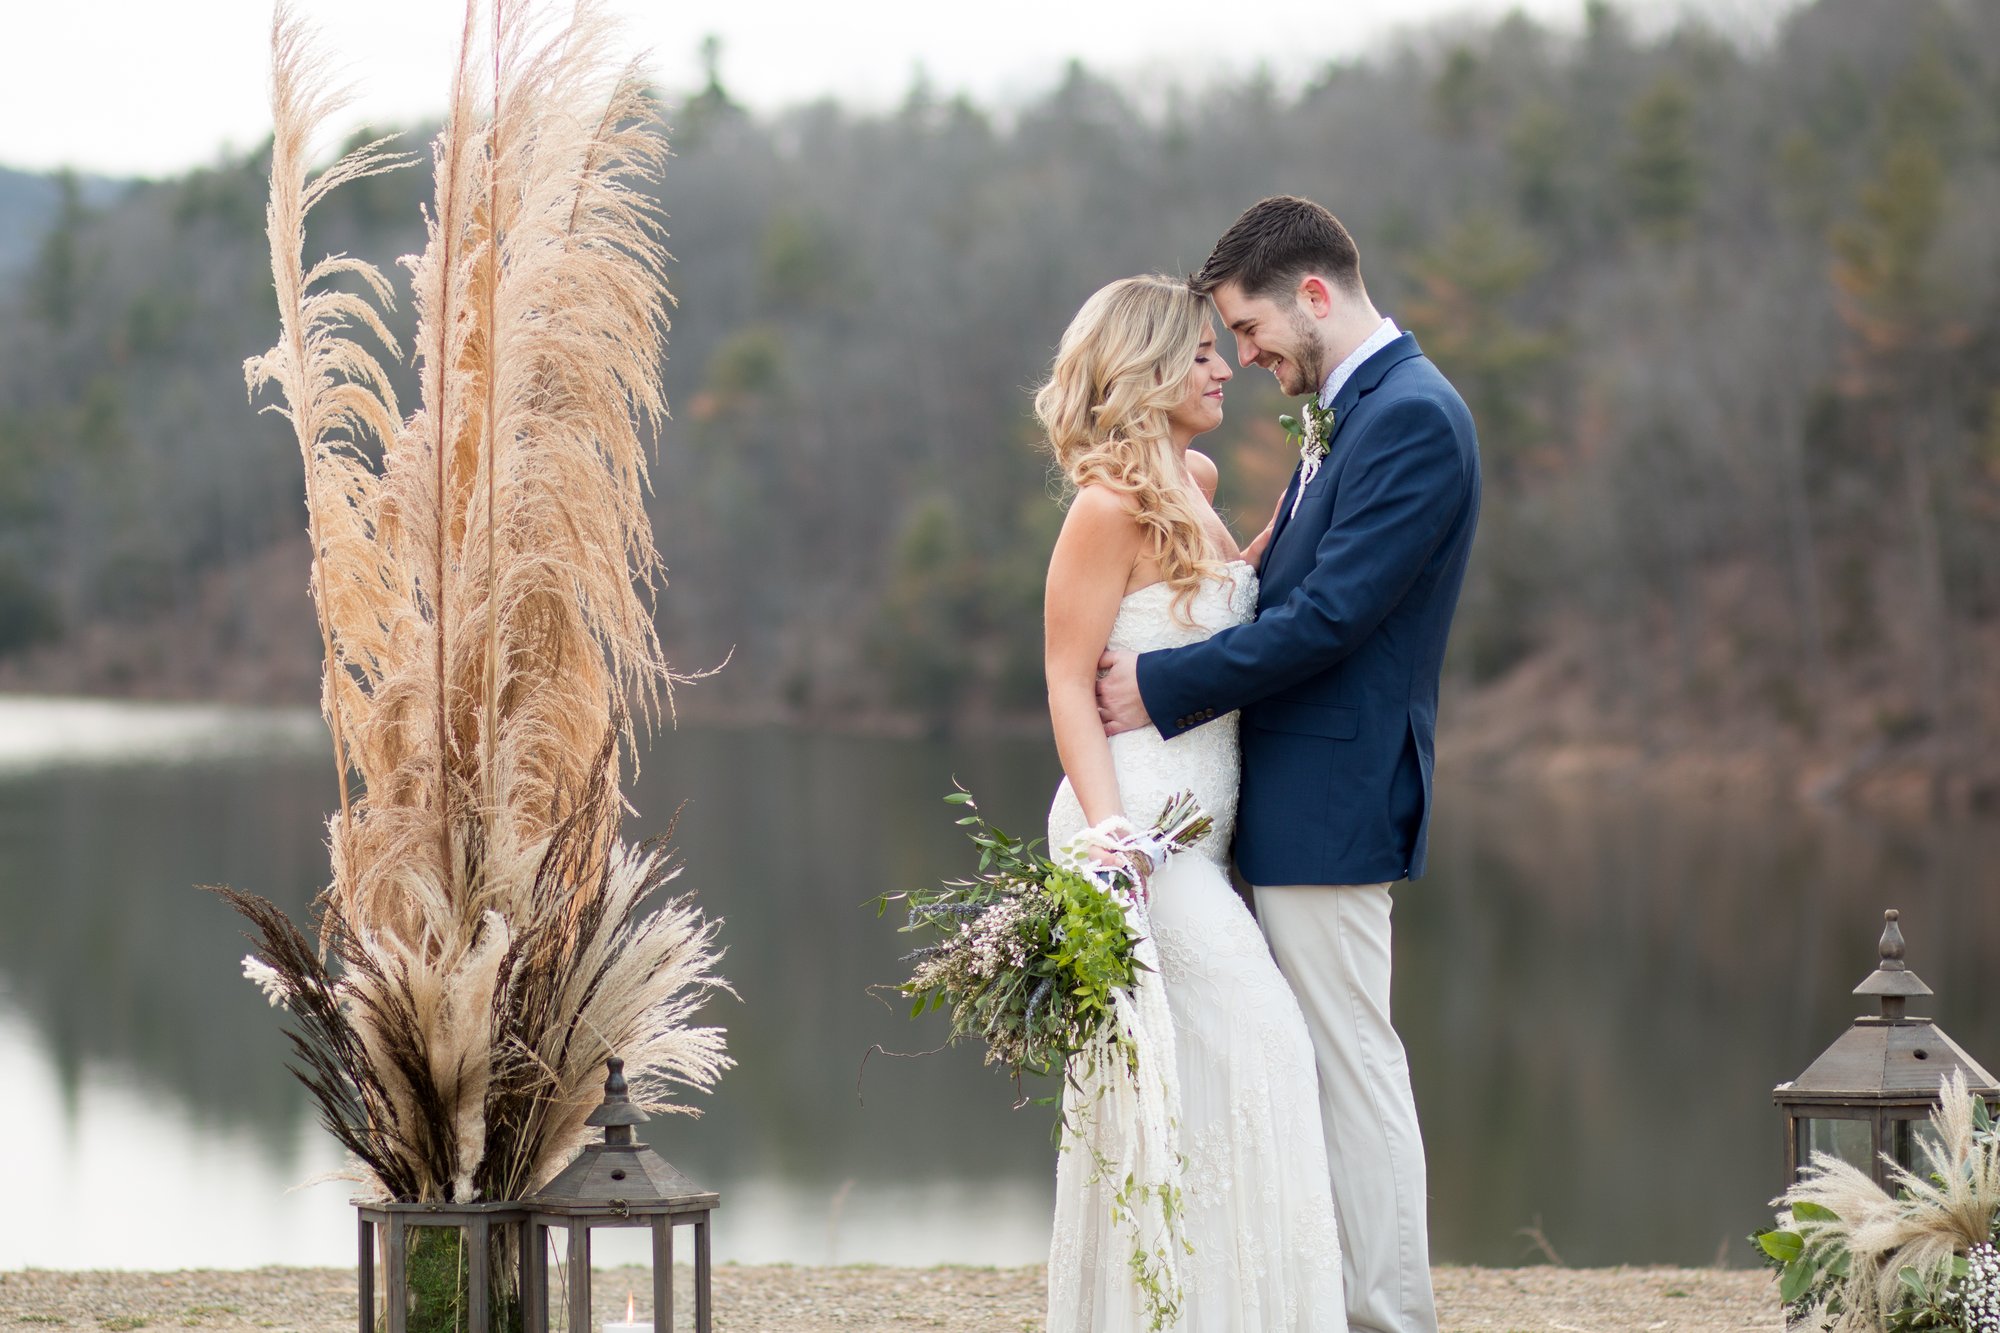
1597, 996
124, 1172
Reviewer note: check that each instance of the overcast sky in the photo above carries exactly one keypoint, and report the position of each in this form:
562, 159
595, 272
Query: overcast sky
153, 87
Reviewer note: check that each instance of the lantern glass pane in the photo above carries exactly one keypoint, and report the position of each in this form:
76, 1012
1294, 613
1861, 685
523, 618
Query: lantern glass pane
1849, 1140
439, 1273
1922, 1133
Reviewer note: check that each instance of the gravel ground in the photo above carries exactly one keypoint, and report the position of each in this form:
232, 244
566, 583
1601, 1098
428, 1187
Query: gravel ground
821, 1300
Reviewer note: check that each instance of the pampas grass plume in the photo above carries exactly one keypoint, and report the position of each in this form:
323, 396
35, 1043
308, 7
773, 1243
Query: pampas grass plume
483, 573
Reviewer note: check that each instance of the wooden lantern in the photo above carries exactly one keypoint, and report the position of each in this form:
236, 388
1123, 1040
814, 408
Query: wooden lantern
617, 1183
1867, 1097
488, 1238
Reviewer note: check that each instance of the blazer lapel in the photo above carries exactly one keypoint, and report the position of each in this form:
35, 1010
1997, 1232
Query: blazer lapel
1366, 378
1284, 517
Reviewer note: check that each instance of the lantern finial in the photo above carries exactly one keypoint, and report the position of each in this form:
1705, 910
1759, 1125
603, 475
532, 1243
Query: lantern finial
616, 1115
1892, 942
1892, 980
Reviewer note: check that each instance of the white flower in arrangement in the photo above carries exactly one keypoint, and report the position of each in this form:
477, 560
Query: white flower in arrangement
1979, 1293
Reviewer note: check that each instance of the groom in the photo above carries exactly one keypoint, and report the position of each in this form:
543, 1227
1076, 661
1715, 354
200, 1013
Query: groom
1337, 680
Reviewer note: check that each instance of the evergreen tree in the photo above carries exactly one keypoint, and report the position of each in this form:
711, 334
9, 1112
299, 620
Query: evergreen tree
57, 282
1661, 174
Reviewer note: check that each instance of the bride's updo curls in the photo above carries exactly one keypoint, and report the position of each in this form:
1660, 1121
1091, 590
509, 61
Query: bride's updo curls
1122, 366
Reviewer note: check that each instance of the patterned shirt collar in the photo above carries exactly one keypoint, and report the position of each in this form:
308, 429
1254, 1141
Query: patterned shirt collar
1385, 333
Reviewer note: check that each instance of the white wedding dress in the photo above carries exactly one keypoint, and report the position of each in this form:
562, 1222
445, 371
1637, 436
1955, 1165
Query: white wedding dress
1231, 1115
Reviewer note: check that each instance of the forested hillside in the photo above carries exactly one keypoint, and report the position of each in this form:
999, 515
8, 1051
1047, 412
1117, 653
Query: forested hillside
1729, 321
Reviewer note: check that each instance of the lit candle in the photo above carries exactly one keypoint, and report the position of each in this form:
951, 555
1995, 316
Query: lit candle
631, 1324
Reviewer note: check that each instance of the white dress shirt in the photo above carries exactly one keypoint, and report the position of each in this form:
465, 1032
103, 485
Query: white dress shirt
1385, 333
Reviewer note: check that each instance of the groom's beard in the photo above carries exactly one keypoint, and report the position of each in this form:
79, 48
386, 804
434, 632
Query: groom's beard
1306, 366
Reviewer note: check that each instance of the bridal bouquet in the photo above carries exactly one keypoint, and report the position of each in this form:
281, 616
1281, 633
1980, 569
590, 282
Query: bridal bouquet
1040, 959
1029, 951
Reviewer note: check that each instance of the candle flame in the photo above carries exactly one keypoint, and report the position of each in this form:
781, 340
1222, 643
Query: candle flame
628, 1308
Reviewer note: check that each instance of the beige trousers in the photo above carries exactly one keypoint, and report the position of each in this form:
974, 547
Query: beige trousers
1332, 944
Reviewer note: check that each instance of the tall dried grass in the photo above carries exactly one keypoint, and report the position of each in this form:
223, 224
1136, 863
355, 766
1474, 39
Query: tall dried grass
483, 571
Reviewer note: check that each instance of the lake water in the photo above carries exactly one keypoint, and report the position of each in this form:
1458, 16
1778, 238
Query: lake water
1597, 994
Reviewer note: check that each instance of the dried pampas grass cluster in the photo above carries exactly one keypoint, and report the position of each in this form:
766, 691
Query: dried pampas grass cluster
482, 570
1930, 1220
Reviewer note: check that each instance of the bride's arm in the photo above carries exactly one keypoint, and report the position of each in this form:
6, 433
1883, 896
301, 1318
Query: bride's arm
1088, 571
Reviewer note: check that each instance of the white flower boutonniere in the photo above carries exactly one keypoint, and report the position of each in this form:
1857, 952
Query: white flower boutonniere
1314, 437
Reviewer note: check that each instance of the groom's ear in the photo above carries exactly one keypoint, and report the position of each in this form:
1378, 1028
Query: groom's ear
1316, 295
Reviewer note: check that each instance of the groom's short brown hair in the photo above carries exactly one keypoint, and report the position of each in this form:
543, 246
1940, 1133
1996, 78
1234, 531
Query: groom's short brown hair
1276, 242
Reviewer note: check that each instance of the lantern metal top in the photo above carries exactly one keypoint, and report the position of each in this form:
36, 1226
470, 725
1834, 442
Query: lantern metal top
1892, 979
620, 1176
616, 1115
1891, 1058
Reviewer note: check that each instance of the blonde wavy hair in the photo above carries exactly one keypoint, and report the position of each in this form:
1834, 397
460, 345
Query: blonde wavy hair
1122, 366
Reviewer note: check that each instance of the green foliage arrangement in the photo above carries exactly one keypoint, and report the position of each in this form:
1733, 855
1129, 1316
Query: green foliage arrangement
1852, 1258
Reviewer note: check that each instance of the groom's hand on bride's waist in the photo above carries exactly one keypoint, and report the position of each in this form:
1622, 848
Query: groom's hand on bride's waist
1119, 705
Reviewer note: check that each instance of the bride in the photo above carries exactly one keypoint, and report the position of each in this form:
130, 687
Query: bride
1226, 1120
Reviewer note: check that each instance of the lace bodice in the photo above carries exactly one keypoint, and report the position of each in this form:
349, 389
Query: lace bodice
1146, 618
1151, 769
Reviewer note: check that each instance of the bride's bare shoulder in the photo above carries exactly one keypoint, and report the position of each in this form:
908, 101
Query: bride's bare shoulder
1101, 508
1100, 531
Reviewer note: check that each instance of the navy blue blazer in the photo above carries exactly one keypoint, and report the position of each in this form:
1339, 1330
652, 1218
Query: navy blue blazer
1337, 678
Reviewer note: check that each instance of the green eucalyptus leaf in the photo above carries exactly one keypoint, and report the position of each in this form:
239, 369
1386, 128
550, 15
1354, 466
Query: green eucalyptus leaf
959, 798
1784, 1246
1813, 1212
1797, 1280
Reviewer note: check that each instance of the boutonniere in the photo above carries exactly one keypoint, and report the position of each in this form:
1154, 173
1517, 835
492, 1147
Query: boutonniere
1314, 437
